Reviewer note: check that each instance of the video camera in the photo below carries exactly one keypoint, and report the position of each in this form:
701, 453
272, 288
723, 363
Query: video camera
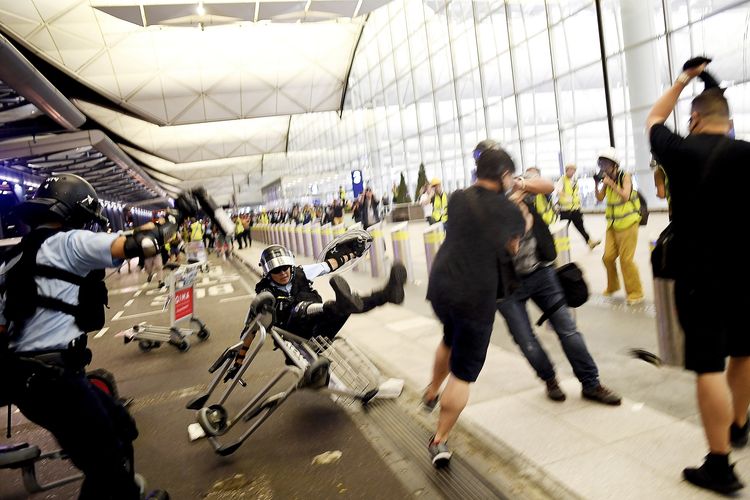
599, 176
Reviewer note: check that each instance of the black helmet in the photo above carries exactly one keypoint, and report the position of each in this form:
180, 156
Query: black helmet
64, 198
275, 256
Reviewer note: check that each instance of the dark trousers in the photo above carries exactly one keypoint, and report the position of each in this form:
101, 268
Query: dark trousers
247, 237
94, 430
326, 324
576, 217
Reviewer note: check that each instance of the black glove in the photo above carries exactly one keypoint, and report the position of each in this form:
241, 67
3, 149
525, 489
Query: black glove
708, 79
359, 246
232, 372
148, 240
695, 62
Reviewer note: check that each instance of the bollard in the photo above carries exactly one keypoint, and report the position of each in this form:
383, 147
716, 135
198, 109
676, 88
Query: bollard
307, 237
433, 236
326, 235
359, 266
401, 248
559, 232
317, 246
277, 239
291, 238
300, 239
339, 229
377, 251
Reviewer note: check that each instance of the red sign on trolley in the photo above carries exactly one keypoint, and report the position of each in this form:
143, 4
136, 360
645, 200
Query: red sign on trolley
183, 303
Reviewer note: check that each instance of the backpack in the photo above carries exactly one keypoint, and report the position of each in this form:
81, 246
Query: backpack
643, 210
574, 287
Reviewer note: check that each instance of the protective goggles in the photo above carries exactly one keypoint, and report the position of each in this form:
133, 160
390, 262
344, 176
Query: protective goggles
280, 269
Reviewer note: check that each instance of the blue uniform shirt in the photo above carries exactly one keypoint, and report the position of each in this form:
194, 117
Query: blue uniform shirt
76, 251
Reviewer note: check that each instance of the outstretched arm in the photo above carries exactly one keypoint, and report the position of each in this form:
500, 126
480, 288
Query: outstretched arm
664, 106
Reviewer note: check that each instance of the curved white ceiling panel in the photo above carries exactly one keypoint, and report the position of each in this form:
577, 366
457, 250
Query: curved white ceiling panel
181, 75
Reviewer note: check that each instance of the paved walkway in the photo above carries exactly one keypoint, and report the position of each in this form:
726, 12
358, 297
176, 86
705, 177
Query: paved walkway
636, 450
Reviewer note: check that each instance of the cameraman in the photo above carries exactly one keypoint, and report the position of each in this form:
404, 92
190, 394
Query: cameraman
623, 219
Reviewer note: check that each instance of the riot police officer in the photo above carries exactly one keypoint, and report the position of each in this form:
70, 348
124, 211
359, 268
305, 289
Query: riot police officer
52, 293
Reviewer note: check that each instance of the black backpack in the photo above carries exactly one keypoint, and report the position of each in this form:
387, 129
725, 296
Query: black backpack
644, 209
574, 287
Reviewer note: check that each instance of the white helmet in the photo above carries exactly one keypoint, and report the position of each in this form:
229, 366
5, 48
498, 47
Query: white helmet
609, 153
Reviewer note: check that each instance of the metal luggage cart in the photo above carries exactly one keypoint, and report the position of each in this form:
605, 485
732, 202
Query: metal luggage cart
320, 364
181, 304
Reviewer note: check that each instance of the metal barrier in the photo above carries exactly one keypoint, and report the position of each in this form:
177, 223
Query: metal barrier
339, 229
317, 246
300, 239
559, 232
326, 235
401, 248
291, 243
433, 237
307, 239
377, 250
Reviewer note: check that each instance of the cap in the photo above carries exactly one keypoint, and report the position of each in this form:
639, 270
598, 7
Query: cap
435, 182
609, 153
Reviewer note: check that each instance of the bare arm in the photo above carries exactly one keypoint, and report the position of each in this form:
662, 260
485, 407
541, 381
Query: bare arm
535, 185
600, 191
624, 191
664, 106
659, 182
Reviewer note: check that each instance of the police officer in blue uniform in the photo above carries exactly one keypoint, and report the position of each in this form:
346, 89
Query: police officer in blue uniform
52, 293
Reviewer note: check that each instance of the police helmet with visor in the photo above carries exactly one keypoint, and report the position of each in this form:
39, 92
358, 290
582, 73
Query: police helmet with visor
64, 198
274, 257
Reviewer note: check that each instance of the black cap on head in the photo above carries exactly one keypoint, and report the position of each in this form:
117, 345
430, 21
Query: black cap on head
65, 198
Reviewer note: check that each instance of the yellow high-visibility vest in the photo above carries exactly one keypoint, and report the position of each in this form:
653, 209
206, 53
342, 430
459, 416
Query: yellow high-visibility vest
545, 208
196, 231
621, 214
440, 207
570, 199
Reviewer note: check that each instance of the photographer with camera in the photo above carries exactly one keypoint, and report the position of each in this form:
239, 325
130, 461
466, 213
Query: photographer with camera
623, 217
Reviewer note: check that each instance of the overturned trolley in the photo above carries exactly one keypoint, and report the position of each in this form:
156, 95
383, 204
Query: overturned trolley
335, 366
181, 303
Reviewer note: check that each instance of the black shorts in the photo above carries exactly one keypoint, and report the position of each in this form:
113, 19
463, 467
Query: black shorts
468, 340
715, 326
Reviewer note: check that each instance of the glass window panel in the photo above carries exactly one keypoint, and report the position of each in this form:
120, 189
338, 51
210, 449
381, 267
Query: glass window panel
398, 26
384, 43
465, 55
409, 120
406, 90
611, 28
391, 95
445, 103
491, 79
537, 110
492, 33
437, 31
581, 144
561, 10
442, 69
700, 10
401, 60
618, 90
522, 66
739, 107
506, 74
541, 66
460, 17
469, 92
389, 73
581, 96
431, 150
414, 14
725, 37
636, 21
426, 110
422, 80
418, 46
575, 42
677, 13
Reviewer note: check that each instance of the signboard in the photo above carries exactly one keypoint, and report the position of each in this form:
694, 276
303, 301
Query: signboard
356, 182
183, 303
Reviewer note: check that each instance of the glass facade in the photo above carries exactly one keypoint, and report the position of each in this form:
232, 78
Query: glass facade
430, 79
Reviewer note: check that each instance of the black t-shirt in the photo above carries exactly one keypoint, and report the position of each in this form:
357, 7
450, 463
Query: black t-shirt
708, 202
465, 272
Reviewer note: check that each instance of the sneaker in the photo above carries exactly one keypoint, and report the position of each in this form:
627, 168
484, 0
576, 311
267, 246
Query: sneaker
346, 301
553, 390
601, 394
594, 243
394, 289
738, 435
439, 453
609, 293
713, 478
634, 302
428, 406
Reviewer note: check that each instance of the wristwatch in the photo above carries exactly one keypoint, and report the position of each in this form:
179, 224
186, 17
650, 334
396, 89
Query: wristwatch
684, 78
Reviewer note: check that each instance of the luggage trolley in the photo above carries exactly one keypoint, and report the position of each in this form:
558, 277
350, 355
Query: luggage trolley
323, 364
181, 303
196, 253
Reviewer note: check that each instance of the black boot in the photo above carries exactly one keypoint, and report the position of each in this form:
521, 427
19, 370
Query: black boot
393, 291
346, 301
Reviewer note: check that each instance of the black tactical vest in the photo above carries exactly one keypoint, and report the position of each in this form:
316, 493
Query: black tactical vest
302, 291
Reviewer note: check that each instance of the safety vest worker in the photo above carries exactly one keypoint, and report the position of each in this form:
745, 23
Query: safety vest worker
545, 208
439, 202
196, 231
569, 197
621, 214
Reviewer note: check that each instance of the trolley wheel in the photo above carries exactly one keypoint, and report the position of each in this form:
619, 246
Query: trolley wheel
145, 345
213, 420
183, 346
203, 334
